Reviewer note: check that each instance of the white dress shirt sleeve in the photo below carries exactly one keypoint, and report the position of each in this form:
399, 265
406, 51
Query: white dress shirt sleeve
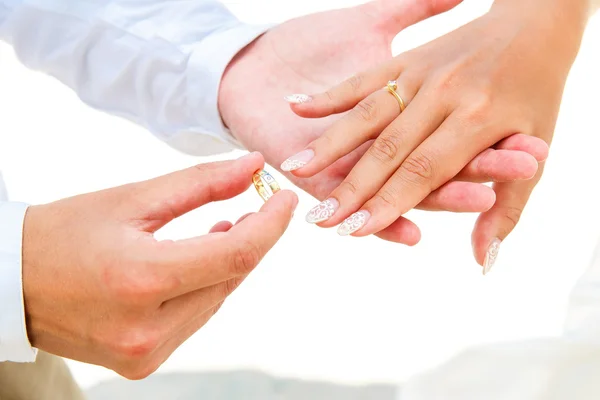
14, 344
156, 62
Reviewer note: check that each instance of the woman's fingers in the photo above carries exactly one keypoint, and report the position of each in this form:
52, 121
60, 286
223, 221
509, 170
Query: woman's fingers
366, 121
433, 163
360, 125
347, 94
220, 227
493, 226
385, 156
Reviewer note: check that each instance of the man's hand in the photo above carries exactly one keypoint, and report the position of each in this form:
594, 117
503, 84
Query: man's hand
311, 53
100, 288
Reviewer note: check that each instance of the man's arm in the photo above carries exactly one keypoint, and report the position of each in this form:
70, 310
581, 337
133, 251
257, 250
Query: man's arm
156, 62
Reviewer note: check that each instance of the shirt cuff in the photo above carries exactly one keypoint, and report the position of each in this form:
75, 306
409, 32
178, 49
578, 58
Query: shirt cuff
220, 48
14, 344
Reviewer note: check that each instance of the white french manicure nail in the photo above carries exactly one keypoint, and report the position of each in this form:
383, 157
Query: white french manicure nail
297, 161
298, 98
491, 255
353, 223
322, 211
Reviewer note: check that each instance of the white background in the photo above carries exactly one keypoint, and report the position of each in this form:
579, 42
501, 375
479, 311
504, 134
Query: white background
342, 309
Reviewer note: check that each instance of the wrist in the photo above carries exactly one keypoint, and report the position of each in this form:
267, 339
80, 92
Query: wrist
234, 91
558, 25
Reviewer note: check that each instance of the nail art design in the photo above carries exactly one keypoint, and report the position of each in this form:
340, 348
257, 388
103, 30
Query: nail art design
491, 255
297, 161
297, 98
322, 211
353, 223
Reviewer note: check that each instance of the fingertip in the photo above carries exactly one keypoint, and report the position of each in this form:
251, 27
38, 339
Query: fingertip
222, 226
282, 200
253, 160
461, 197
488, 199
532, 145
307, 106
481, 237
243, 217
402, 231
530, 166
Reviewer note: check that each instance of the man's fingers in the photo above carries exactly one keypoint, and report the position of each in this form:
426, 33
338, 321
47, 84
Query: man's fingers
402, 231
180, 333
243, 217
160, 200
167, 348
535, 146
198, 263
396, 15
459, 197
222, 226
189, 306
493, 226
499, 166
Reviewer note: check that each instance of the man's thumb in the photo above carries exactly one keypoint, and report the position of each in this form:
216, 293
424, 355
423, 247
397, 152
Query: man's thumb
167, 197
397, 15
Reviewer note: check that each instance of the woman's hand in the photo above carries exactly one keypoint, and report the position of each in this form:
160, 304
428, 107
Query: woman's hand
465, 92
311, 54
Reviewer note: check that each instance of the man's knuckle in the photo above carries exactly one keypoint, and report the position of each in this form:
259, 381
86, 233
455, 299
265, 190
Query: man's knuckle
216, 308
138, 286
139, 370
246, 257
231, 285
135, 344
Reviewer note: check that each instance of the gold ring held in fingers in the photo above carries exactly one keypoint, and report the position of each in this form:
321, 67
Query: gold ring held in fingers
391, 87
265, 184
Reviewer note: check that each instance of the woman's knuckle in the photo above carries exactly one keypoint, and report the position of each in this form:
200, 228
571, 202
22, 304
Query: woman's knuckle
385, 149
418, 168
366, 110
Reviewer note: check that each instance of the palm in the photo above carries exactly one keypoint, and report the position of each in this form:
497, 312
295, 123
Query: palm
307, 55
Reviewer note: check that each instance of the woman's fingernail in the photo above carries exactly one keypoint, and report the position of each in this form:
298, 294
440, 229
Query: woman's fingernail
297, 161
322, 211
491, 255
298, 98
353, 223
